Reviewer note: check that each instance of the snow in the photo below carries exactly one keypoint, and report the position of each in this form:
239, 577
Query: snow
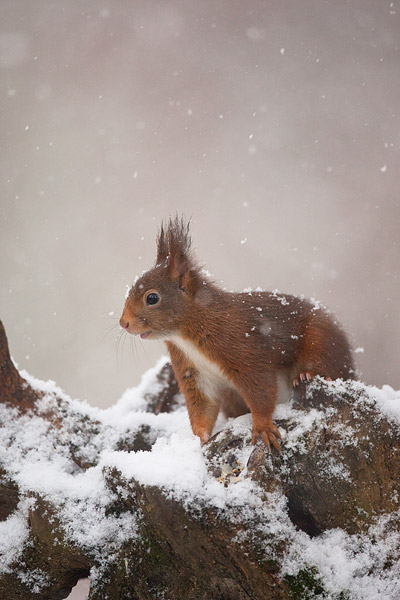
388, 401
36, 580
13, 535
38, 457
354, 563
175, 463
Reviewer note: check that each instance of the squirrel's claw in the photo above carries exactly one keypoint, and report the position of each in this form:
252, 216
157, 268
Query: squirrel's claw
302, 377
305, 377
270, 435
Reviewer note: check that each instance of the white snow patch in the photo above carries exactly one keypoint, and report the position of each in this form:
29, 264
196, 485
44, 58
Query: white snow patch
37, 456
353, 563
387, 400
13, 535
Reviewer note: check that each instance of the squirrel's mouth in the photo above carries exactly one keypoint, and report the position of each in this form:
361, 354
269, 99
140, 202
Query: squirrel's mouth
145, 334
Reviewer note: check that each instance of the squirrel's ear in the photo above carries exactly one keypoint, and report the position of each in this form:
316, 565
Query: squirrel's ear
179, 268
162, 246
185, 273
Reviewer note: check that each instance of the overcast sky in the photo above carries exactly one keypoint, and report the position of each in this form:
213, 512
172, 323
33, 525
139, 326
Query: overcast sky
274, 124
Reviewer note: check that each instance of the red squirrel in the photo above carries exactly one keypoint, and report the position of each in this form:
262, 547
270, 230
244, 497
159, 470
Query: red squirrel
231, 350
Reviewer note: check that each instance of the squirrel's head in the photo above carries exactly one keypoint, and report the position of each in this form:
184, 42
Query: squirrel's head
159, 301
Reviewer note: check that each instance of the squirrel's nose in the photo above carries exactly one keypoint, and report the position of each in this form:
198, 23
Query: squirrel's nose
124, 323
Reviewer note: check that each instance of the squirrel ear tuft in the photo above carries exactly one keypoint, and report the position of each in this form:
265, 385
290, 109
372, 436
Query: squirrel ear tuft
173, 243
173, 246
162, 246
179, 244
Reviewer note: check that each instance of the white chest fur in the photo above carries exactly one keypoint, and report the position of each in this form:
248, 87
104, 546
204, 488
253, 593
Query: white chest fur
210, 379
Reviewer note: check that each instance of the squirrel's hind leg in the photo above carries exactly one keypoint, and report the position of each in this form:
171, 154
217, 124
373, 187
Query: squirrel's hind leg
324, 351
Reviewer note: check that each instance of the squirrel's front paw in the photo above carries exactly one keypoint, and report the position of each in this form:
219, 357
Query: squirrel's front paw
268, 432
204, 437
202, 434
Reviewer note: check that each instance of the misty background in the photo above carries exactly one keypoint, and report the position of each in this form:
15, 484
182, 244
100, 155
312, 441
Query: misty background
274, 124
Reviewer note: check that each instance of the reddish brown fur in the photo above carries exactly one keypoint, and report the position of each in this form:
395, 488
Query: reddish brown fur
251, 337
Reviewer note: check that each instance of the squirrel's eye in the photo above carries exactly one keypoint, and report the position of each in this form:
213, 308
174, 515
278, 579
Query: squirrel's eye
152, 298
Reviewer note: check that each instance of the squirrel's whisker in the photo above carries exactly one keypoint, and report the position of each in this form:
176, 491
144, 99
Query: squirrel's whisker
118, 346
109, 330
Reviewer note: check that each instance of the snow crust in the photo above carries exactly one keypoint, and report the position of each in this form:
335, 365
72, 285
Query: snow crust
37, 456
